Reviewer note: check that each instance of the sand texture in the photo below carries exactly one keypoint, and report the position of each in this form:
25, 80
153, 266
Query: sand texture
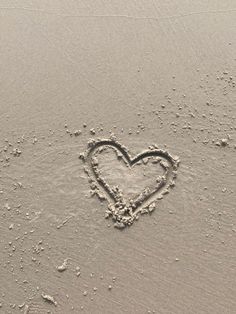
118, 157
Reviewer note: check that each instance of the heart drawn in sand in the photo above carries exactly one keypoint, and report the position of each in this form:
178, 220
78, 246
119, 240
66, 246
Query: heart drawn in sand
124, 212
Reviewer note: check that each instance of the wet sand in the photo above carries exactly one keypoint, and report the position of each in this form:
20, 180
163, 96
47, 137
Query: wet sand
97, 232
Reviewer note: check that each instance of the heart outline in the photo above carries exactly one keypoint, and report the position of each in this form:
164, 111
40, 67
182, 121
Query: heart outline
163, 188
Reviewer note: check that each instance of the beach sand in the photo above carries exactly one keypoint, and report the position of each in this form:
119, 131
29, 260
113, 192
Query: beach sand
153, 76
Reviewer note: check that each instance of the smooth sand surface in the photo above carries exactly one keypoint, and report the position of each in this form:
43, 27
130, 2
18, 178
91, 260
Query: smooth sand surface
147, 72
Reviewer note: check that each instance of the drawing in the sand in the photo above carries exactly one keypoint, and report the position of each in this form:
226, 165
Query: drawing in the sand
124, 211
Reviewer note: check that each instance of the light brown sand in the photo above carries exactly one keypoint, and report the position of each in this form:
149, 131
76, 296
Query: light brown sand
149, 72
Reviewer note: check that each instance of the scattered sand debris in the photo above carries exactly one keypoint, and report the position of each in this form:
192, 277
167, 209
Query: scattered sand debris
48, 298
11, 226
7, 206
119, 225
82, 156
35, 140
77, 269
64, 222
224, 142
63, 266
77, 132
21, 305
151, 207
99, 194
16, 152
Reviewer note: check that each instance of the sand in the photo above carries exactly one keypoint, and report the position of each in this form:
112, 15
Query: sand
127, 227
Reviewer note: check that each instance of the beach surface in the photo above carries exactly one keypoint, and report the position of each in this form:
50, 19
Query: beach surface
147, 225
